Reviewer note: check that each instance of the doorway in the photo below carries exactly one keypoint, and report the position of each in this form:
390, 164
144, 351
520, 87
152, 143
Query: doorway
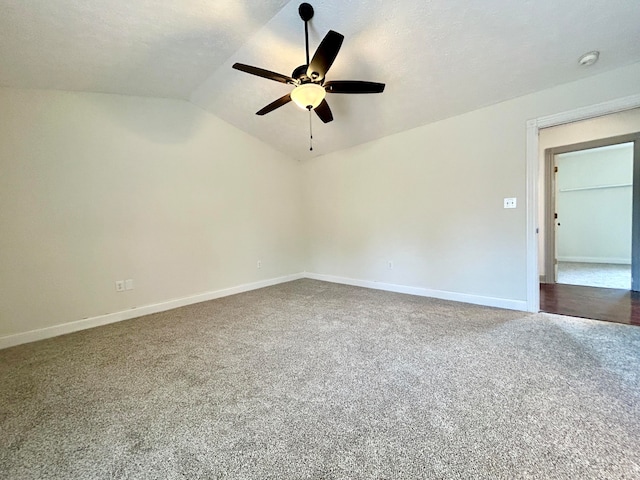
589, 214
592, 227
613, 117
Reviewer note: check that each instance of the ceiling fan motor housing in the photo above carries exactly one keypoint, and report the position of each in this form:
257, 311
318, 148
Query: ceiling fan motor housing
300, 74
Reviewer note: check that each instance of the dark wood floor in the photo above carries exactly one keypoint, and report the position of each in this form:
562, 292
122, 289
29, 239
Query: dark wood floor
610, 304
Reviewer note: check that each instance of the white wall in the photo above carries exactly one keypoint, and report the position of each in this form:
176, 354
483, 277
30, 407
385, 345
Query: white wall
622, 123
595, 223
430, 199
96, 188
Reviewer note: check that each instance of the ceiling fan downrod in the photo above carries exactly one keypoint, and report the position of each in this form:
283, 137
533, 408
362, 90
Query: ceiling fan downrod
306, 13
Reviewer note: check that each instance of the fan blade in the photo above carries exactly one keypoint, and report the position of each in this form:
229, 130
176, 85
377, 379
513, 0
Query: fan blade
261, 72
324, 56
353, 86
273, 105
324, 112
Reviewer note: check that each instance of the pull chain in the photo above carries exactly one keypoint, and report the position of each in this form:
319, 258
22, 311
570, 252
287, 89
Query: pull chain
310, 133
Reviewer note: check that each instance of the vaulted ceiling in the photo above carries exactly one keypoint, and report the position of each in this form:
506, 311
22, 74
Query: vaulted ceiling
438, 58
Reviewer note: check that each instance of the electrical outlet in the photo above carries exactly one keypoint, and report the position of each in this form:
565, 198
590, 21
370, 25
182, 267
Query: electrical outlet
390, 265
128, 284
509, 203
119, 285
259, 264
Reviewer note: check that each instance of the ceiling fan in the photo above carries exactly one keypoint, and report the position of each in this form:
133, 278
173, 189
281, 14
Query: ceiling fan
309, 80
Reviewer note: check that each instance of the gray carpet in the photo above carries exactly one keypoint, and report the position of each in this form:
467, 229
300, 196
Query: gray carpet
604, 275
312, 380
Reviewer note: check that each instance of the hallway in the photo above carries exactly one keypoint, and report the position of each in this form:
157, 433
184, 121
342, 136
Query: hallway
609, 304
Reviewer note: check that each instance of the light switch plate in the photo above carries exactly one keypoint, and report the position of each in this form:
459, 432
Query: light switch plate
509, 203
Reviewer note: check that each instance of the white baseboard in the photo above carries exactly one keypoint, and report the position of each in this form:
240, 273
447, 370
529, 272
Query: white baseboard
615, 260
56, 330
425, 292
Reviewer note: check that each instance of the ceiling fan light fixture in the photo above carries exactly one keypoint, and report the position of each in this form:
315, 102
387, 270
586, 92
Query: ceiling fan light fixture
308, 95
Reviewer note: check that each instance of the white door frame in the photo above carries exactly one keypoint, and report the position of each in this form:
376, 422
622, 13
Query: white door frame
532, 161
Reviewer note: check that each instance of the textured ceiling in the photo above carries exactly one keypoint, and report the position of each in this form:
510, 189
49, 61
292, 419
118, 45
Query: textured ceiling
438, 58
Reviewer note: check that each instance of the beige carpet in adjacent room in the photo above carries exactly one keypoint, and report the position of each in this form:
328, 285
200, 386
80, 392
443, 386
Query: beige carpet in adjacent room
603, 275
